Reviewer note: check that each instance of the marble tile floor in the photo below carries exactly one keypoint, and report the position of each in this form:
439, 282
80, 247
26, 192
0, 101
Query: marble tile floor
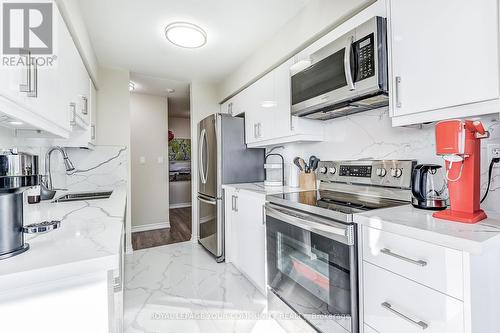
179, 288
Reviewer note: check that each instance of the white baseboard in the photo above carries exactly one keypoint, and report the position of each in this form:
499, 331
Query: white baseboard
180, 205
151, 226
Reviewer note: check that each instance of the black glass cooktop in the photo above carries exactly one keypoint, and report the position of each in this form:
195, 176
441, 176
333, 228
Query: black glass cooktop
347, 203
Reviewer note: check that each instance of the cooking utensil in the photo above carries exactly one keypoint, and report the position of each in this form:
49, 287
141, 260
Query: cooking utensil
313, 163
303, 164
296, 161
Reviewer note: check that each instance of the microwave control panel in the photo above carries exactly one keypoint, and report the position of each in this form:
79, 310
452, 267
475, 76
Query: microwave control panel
365, 53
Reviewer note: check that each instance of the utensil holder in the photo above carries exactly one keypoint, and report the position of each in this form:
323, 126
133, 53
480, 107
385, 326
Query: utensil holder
307, 181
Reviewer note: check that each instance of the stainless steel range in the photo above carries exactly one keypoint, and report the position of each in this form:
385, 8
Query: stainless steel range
311, 241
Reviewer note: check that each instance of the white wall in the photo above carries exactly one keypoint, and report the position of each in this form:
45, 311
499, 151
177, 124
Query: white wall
181, 127
149, 140
204, 102
113, 123
314, 21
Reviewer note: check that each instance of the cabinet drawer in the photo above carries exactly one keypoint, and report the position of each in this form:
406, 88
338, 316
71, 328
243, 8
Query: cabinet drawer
432, 265
394, 304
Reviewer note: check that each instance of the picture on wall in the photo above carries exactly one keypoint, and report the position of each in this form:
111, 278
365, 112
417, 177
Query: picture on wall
179, 150
179, 155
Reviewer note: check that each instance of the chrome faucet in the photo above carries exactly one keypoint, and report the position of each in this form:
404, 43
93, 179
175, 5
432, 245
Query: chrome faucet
47, 188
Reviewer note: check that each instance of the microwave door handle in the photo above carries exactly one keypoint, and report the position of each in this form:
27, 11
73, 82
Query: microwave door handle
347, 63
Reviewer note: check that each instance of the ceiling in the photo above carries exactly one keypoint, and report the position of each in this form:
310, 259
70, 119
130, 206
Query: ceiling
129, 34
178, 101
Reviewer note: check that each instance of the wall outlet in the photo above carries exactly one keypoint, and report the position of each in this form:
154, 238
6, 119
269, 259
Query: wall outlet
493, 152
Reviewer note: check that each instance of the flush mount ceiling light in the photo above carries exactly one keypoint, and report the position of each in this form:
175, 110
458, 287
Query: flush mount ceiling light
185, 34
16, 123
131, 86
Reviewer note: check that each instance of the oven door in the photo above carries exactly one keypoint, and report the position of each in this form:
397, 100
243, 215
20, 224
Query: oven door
312, 268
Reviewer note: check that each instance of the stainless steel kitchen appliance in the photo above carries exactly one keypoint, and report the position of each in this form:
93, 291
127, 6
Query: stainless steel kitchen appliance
347, 76
223, 158
429, 187
18, 172
311, 241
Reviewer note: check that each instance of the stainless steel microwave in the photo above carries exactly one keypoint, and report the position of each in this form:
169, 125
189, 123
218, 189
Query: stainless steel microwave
347, 76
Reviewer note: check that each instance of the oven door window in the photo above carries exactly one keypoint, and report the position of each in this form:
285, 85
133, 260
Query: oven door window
310, 272
324, 76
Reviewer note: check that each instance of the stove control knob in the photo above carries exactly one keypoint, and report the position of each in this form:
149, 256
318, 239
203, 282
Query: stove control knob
323, 170
381, 172
396, 173
332, 170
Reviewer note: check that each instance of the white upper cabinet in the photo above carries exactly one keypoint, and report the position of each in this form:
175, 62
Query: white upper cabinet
444, 59
266, 106
54, 99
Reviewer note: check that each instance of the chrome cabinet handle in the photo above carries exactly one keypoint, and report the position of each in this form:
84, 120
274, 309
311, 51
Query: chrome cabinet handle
85, 109
255, 131
388, 252
92, 132
26, 87
235, 198
72, 110
233, 203
34, 80
230, 108
398, 92
419, 323
347, 63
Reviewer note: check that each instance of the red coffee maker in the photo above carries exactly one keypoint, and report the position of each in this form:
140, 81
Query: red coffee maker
458, 142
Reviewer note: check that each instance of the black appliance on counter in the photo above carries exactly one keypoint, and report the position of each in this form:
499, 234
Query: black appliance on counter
429, 187
311, 241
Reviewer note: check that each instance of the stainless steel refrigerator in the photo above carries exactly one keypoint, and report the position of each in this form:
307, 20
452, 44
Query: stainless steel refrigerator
223, 158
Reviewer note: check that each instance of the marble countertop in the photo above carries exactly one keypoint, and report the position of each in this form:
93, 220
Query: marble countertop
419, 224
87, 241
259, 188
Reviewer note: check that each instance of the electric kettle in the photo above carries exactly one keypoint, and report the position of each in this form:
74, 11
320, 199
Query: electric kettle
429, 187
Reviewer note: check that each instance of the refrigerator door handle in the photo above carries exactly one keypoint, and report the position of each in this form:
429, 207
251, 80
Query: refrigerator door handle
210, 202
201, 167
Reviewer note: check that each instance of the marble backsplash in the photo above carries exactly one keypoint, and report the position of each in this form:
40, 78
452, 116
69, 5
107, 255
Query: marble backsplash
103, 168
370, 135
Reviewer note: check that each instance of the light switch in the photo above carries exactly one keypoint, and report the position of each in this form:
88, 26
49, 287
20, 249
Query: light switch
142, 160
160, 159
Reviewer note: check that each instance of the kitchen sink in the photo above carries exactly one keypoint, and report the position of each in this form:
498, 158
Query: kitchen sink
83, 196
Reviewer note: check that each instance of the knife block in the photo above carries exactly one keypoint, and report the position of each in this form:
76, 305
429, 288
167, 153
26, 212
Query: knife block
307, 181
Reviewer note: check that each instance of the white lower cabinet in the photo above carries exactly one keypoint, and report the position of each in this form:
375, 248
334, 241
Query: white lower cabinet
394, 304
435, 266
245, 234
413, 285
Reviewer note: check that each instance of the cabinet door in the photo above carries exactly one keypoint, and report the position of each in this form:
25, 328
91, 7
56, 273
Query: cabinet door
251, 238
259, 104
93, 113
282, 112
444, 53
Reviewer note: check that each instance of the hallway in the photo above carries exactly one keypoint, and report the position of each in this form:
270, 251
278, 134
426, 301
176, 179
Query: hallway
179, 231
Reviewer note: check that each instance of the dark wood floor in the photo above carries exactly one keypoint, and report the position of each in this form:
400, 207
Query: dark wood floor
179, 231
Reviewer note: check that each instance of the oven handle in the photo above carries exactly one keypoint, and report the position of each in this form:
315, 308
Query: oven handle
340, 232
